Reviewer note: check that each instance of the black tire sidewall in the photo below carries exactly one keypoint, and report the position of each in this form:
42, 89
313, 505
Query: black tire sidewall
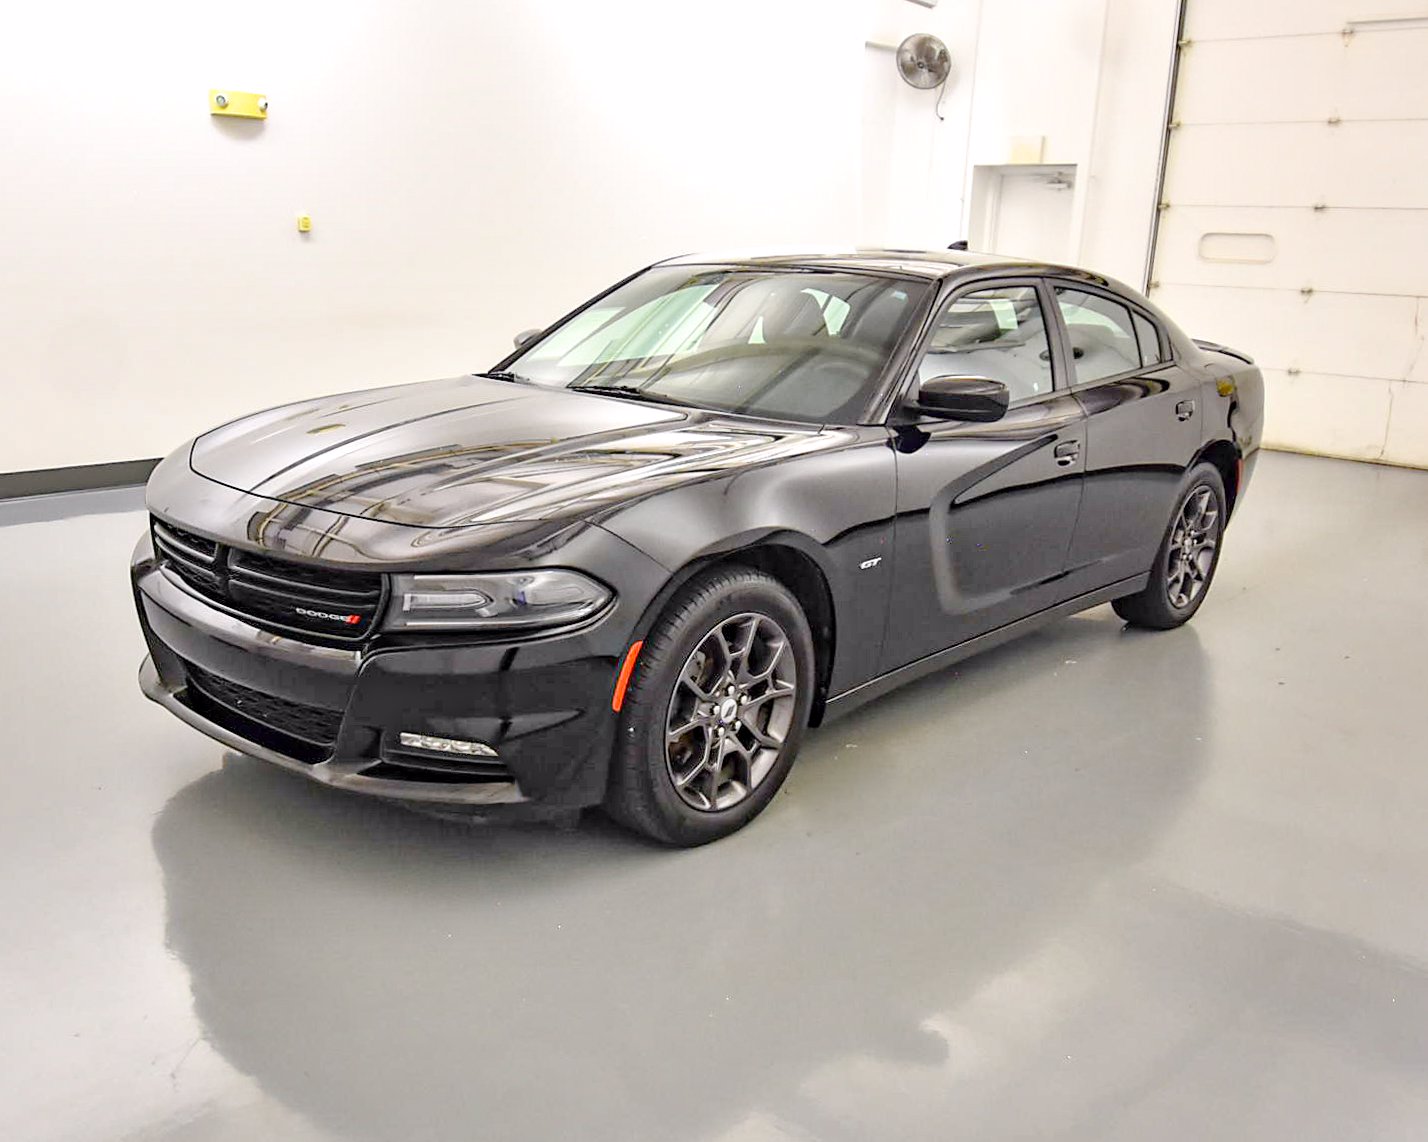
1202, 475
673, 638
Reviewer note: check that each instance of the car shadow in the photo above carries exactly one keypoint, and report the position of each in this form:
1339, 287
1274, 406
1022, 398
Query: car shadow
392, 975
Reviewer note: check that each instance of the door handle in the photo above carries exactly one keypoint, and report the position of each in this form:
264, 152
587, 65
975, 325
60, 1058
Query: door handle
1067, 452
1185, 410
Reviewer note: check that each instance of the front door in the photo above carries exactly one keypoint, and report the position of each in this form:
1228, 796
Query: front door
985, 512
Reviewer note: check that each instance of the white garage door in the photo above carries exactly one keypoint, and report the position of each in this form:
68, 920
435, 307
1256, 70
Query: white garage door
1296, 216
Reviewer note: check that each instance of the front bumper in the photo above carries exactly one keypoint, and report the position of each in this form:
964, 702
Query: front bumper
339, 774
335, 715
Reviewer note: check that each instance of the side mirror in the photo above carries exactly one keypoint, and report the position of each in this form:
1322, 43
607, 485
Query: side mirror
963, 398
526, 336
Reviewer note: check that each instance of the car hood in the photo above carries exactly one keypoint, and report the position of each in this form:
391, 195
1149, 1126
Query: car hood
472, 450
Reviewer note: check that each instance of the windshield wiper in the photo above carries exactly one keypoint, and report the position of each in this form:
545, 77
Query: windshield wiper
631, 394
502, 375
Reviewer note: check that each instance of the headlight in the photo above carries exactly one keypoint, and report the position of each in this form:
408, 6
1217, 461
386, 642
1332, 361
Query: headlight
514, 600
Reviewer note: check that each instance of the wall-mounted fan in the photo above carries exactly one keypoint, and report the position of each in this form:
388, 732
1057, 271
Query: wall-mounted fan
923, 61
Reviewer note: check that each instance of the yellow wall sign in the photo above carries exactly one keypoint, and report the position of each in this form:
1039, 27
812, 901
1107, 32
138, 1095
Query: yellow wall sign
239, 104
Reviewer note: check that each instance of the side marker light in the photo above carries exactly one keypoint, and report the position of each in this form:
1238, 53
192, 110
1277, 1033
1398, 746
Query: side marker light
627, 668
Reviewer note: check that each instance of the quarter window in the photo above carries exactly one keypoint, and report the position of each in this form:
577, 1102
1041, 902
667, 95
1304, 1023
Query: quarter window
1149, 339
995, 333
1102, 332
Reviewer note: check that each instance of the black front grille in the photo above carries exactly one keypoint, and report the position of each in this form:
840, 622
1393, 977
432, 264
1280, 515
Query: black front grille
308, 732
276, 594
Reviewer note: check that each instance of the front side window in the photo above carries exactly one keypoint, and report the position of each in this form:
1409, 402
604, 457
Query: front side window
788, 344
995, 333
1103, 335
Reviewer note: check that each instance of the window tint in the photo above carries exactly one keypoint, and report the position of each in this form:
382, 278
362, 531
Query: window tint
1103, 340
996, 333
1149, 339
791, 344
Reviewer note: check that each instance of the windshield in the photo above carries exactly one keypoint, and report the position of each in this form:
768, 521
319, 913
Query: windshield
786, 344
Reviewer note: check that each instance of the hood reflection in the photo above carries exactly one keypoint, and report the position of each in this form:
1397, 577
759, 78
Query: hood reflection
463, 452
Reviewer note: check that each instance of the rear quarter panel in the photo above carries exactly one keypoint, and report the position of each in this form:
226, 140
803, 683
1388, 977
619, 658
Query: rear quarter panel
1233, 397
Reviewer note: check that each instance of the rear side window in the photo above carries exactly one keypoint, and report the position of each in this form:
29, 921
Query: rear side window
1103, 335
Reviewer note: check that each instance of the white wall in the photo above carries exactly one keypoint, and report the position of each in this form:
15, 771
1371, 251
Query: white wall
1038, 66
477, 168
1137, 52
471, 169
1088, 78
914, 142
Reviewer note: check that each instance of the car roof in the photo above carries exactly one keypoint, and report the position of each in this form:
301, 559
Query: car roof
932, 264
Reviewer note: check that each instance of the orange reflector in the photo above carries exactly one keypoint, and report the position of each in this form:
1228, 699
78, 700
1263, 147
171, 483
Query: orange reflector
623, 680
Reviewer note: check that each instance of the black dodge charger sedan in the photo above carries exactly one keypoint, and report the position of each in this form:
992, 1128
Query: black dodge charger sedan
723, 501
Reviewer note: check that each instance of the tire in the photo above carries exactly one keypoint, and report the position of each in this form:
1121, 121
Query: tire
693, 763
1179, 585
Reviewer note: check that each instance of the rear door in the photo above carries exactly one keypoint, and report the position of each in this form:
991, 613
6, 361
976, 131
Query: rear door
985, 512
1144, 425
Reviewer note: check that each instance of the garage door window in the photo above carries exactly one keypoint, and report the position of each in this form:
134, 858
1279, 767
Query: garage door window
995, 333
1103, 335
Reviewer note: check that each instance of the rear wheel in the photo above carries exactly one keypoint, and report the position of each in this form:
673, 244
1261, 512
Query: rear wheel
1189, 553
716, 711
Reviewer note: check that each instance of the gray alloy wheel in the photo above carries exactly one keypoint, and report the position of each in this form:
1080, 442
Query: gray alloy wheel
1188, 555
1194, 539
730, 713
693, 761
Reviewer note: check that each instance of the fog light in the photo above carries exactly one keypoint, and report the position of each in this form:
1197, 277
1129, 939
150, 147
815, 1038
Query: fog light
446, 745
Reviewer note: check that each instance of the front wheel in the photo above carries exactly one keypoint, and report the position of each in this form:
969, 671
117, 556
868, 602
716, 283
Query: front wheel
1189, 553
716, 711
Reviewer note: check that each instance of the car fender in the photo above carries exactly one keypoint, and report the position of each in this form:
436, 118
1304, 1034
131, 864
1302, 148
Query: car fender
833, 507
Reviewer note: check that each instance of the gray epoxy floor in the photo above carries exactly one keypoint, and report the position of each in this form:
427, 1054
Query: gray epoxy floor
1095, 885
